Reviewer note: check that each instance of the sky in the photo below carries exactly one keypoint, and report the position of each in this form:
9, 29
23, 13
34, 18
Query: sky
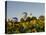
15, 9
27, 0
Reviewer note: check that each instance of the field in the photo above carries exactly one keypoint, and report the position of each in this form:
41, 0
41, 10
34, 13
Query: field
30, 25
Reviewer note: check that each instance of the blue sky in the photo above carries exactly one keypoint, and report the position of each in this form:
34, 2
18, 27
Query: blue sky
15, 9
28, 0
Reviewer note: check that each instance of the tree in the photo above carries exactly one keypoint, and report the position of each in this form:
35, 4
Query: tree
28, 19
42, 18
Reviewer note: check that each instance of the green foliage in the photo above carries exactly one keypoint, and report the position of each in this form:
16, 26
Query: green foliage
30, 25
